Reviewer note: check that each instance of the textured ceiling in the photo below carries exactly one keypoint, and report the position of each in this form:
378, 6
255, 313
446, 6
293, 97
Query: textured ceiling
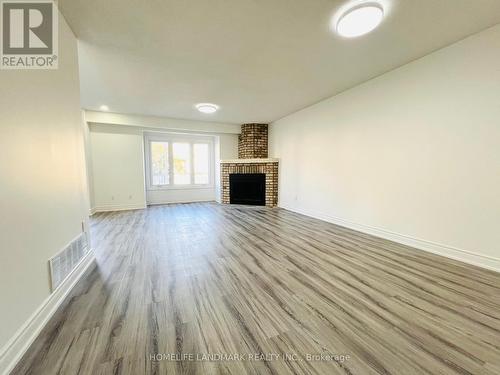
258, 59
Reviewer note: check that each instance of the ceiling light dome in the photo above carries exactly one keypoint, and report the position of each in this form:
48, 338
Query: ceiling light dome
360, 20
207, 107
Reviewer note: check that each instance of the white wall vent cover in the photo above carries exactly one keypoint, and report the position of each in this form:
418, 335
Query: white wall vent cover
65, 261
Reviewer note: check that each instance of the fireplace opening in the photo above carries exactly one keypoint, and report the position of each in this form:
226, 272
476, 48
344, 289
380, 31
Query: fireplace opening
247, 188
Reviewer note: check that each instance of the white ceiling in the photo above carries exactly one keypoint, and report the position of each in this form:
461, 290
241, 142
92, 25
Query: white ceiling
258, 59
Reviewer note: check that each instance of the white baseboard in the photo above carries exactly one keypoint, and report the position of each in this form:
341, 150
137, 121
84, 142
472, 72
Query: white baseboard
465, 256
119, 207
17, 346
159, 203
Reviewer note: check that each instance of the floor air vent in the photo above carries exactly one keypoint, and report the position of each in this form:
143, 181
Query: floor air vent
65, 261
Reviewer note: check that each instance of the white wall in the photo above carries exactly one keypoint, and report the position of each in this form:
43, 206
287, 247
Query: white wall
42, 188
226, 147
160, 123
88, 162
117, 168
118, 162
413, 155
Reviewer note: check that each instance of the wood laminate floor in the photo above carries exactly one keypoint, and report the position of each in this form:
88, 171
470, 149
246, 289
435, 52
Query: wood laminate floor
182, 282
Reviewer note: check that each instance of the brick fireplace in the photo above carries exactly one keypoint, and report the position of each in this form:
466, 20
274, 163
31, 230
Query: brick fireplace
252, 159
253, 141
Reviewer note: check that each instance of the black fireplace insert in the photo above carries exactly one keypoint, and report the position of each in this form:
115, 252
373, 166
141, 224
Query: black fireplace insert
247, 188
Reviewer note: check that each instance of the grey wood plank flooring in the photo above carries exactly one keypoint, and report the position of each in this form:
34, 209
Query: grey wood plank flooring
182, 281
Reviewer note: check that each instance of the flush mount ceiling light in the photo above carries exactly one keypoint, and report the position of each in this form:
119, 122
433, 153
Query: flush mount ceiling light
104, 108
207, 108
359, 20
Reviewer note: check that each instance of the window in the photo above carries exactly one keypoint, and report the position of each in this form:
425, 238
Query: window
182, 168
159, 163
201, 167
179, 162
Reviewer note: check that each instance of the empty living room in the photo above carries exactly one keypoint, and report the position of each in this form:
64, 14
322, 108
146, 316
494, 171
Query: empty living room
250, 187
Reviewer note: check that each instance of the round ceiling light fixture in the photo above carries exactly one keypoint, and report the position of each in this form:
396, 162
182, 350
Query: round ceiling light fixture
207, 108
104, 107
360, 20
